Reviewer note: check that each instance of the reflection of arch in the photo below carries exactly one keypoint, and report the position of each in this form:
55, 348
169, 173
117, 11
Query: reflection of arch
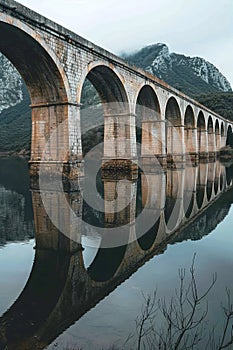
146, 241
211, 137
210, 180
216, 178
229, 175
189, 189
221, 182
190, 136
44, 78
60, 291
200, 195
173, 199
201, 132
223, 139
174, 131
148, 114
38, 299
106, 263
201, 184
188, 208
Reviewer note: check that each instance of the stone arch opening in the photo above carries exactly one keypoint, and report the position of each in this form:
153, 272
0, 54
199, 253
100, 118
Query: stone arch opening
217, 136
190, 136
229, 139
223, 137
222, 129
106, 117
201, 135
148, 125
174, 131
211, 138
47, 88
109, 87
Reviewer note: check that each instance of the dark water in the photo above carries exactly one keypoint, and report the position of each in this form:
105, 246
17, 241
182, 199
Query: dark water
58, 293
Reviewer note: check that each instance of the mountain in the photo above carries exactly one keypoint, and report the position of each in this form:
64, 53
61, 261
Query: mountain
11, 91
192, 75
15, 114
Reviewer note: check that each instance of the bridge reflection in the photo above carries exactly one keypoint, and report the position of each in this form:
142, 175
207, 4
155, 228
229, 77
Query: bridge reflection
181, 204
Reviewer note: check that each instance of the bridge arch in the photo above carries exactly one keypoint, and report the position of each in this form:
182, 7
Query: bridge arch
201, 135
223, 137
217, 136
148, 116
107, 81
47, 85
117, 122
211, 137
229, 137
190, 134
174, 130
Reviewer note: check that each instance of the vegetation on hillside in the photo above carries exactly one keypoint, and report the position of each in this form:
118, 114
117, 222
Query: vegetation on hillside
15, 127
219, 102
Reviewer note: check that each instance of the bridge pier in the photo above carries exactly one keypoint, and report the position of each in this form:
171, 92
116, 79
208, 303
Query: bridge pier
120, 152
203, 144
211, 146
56, 140
153, 146
175, 144
218, 140
191, 144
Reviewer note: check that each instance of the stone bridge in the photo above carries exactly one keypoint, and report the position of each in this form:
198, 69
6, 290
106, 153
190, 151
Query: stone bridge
54, 63
61, 288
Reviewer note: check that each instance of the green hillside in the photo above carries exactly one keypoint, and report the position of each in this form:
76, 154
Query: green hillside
15, 127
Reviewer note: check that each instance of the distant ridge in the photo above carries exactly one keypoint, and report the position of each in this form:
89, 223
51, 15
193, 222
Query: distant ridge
191, 75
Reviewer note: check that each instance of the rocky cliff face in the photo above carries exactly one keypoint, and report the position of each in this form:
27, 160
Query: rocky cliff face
192, 75
11, 85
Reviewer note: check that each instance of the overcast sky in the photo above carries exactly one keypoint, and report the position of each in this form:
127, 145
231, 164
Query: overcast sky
193, 27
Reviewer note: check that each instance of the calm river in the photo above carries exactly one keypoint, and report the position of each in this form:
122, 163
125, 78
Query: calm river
58, 293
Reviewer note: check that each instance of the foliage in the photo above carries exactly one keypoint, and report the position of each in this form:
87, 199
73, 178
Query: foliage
15, 126
183, 323
219, 102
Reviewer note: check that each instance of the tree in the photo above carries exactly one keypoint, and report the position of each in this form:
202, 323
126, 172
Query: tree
184, 322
